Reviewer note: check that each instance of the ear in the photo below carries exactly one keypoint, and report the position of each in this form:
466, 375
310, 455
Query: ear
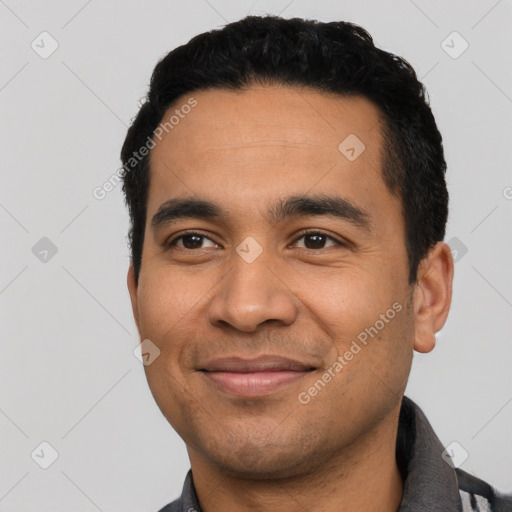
432, 296
132, 288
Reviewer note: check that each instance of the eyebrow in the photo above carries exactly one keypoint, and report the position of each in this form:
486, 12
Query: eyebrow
295, 206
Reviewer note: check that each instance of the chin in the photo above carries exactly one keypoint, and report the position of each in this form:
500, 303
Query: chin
266, 460
262, 468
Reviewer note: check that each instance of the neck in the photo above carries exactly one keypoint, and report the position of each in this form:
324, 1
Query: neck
363, 476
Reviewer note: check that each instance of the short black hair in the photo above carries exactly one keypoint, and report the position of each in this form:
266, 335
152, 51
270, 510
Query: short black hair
336, 57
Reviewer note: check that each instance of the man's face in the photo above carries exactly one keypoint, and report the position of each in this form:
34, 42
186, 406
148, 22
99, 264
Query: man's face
220, 295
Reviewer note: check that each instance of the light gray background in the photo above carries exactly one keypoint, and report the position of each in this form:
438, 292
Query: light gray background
68, 375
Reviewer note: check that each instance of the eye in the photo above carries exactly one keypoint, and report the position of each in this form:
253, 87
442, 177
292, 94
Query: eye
190, 241
316, 240
307, 240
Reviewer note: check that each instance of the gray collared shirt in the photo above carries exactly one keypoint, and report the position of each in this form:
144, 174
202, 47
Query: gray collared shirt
431, 484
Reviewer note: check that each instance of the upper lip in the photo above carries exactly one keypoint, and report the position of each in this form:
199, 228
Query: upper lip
260, 364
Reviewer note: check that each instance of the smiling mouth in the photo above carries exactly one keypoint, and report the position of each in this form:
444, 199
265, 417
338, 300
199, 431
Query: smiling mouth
255, 377
253, 384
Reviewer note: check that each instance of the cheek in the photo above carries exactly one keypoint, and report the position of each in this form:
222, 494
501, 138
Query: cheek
348, 299
367, 319
388, 348
166, 298
167, 303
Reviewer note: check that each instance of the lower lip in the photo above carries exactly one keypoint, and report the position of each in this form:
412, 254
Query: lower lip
253, 384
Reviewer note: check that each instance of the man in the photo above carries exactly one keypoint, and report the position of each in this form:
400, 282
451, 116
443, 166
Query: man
285, 182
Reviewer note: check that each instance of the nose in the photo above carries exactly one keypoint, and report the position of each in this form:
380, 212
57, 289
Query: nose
250, 295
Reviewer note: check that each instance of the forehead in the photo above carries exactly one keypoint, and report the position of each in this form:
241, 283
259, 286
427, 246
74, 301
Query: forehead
268, 141
229, 119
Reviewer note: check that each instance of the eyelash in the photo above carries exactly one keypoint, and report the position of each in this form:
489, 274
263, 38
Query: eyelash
171, 243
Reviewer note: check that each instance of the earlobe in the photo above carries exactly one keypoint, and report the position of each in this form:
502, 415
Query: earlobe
432, 296
132, 288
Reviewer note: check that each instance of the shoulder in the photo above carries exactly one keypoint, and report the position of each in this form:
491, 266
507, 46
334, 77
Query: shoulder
478, 495
187, 502
175, 506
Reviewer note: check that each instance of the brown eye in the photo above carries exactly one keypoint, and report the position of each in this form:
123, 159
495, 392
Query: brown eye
191, 241
315, 240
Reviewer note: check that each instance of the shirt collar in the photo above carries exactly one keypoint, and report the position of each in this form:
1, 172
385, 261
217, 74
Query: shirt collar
430, 483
